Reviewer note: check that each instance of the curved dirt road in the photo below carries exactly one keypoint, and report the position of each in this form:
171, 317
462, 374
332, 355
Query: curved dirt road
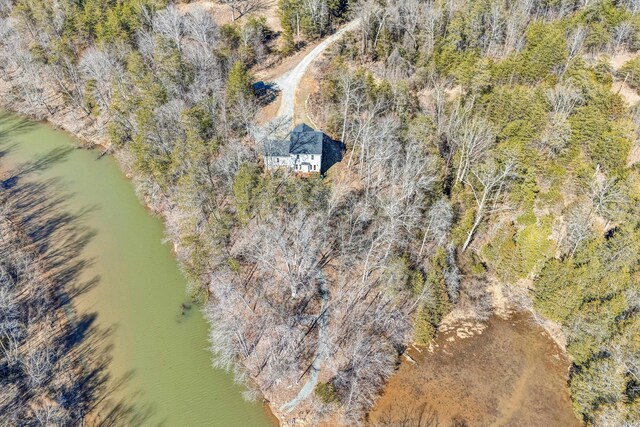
288, 82
322, 320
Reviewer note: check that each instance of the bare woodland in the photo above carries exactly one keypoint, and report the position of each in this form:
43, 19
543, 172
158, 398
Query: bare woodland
457, 116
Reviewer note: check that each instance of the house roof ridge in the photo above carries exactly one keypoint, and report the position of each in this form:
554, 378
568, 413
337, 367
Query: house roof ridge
303, 139
303, 127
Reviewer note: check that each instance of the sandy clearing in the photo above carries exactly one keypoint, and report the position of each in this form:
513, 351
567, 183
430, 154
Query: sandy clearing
627, 93
222, 13
619, 58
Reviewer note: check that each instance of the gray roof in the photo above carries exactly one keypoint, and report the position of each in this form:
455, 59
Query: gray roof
303, 139
307, 142
276, 147
302, 127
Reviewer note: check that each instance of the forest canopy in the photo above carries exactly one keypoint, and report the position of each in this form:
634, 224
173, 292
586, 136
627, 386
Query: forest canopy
486, 142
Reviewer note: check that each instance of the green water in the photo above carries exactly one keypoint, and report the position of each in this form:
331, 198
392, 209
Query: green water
140, 291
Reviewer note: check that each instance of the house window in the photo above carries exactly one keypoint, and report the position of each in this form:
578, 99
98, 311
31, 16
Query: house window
314, 166
277, 159
312, 157
297, 156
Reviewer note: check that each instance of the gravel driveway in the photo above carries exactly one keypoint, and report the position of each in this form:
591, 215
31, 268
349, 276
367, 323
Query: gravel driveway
288, 83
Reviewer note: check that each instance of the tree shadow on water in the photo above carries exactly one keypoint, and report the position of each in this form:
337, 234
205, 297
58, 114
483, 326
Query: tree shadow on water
54, 358
43, 162
28, 169
12, 125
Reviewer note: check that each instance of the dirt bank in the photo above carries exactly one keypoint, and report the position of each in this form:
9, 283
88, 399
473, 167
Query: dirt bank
510, 373
84, 127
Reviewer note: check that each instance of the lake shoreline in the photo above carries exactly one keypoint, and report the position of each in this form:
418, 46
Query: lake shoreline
63, 123
166, 349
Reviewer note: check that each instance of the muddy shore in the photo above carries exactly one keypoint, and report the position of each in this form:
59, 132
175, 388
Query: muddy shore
509, 373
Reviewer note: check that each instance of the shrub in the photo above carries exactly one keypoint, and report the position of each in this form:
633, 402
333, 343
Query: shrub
326, 393
630, 72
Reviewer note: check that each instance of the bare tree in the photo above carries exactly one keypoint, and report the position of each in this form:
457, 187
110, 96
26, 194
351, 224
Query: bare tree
66, 76
578, 228
200, 27
563, 98
101, 68
471, 142
452, 274
349, 86
440, 219
621, 35
169, 23
293, 254
240, 8
607, 198
632, 5
38, 365
487, 184
516, 21
432, 21
365, 128
496, 23
575, 41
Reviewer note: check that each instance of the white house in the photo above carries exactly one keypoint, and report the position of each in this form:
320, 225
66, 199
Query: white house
305, 150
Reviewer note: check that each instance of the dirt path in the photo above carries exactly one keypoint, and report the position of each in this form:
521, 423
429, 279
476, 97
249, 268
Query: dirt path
288, 83
630, 95
619, 86
310, 385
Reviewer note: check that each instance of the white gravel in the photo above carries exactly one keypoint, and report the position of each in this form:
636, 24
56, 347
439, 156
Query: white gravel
288, 82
